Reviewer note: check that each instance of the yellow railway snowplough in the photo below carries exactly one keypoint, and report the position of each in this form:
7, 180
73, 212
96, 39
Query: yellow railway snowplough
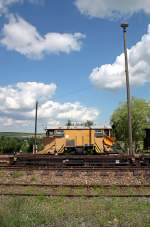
77, 140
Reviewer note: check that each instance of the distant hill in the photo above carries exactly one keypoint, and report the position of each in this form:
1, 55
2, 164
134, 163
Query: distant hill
19, 134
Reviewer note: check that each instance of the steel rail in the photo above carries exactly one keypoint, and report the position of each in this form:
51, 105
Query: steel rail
73, 195
87, 193
78, 185
27, 167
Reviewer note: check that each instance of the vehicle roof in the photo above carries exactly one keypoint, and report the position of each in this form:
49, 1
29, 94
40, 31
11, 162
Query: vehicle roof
78, 127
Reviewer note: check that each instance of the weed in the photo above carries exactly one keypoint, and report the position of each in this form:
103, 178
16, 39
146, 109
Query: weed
16, 174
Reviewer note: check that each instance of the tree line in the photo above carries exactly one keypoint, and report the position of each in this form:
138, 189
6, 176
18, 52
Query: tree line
10, 145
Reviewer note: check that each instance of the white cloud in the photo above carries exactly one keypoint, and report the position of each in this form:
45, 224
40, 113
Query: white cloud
5, 4
21, 36
23, 95
17, 107
64, 111
8, 122
112, 8
112, 76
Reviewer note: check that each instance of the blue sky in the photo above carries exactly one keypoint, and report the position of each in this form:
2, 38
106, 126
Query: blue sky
59, 74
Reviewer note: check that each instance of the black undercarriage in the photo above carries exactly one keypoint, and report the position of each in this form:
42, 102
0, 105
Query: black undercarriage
81, 160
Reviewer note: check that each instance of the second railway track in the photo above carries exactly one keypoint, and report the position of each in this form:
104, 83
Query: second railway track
75, 190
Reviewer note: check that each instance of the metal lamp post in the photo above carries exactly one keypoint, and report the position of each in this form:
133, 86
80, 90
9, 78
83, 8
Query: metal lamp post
124, 26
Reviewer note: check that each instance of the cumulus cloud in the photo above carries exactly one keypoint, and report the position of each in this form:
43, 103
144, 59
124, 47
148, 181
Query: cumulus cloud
5, 4
112, 76
21, 36
64, 111
8, 122
23, 95
17, 106
112, 8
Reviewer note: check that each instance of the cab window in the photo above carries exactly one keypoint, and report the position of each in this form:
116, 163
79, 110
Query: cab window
59, 133
107, 132
50, 133
99, 133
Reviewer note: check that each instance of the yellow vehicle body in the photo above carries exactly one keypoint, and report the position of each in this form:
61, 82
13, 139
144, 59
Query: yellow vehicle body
60, 139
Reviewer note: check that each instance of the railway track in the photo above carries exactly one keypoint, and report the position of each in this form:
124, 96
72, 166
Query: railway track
72, 168
75, 190
79, 185
74, 196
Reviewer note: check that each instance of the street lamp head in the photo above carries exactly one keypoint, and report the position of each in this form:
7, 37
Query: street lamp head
124, 25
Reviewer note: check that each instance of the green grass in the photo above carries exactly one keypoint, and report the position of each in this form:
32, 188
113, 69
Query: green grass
62, 212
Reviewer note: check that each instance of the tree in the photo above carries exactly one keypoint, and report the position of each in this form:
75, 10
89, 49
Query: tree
88, 123
69, 123
140, 120
12, 145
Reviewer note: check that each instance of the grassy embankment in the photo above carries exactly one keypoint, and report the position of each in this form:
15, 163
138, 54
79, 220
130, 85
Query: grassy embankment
81, 212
